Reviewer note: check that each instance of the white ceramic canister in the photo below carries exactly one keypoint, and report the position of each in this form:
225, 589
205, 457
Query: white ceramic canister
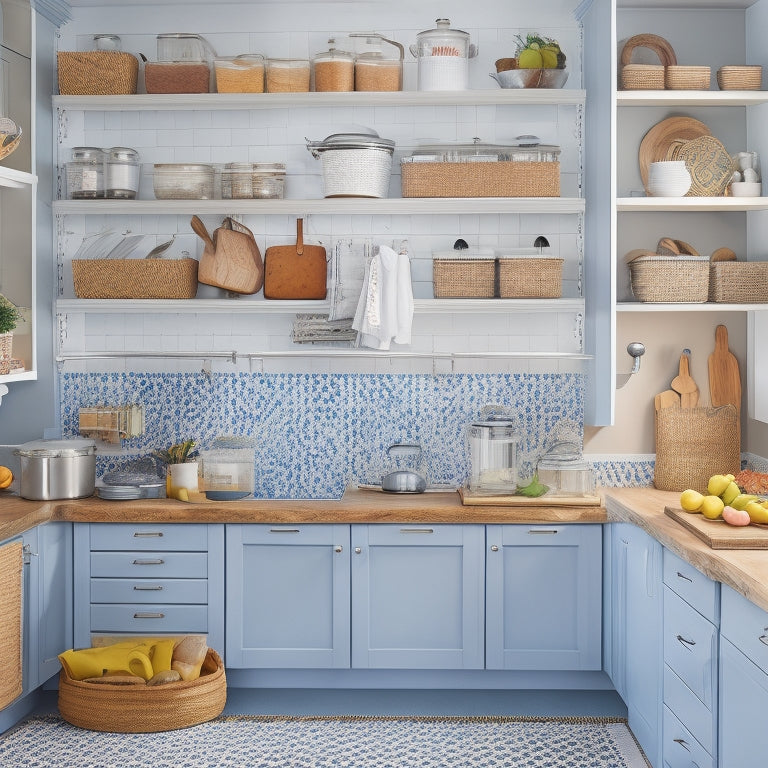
443, 58
122, 173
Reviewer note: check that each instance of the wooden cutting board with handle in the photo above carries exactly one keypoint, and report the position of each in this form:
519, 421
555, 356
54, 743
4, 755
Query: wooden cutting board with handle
724, 377
684, 383
295, 271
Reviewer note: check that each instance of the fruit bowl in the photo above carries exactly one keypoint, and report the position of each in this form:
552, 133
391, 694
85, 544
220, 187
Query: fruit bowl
531, 78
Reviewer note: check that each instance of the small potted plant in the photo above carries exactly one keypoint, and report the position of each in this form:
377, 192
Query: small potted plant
9, 318
180, 459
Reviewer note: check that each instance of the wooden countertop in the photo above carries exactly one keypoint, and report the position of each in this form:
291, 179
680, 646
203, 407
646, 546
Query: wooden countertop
744, 570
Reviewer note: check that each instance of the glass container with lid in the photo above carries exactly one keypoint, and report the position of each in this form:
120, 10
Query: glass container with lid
375, 71
334, 69
229, 468
443, 56
288, 75
183, 46
122, 173
565, 471
268, 180
240, 74
85, 174
493, 452
107, 43
524, 149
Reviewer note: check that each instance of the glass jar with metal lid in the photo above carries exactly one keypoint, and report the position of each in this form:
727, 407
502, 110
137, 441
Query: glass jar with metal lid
122, 173
183, 46
334, 69
493, 452
85, 174
443, 56
375, 71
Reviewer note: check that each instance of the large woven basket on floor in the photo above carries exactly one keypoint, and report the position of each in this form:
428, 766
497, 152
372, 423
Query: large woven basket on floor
135, 278
142, 708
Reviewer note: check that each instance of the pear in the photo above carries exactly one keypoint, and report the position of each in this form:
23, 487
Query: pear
691, 500
712, 507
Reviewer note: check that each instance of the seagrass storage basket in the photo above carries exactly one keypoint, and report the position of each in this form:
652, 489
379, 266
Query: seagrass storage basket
468, 179
142, 708
530, 277
692, 444
135, 278
646, 76
687, 78
747, 77
464, 274
97, 73
737, 282
674, 279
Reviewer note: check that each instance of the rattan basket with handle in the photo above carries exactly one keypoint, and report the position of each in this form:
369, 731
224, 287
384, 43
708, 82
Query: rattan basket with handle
645, 76
144, 708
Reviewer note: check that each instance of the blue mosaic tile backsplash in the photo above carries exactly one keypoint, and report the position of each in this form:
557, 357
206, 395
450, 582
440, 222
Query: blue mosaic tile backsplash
318, 432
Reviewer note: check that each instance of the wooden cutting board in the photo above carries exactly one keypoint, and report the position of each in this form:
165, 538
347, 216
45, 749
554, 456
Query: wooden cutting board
481, 500
724, 378
718, 534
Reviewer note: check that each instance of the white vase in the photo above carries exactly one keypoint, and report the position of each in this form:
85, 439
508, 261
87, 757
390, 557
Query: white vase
183, 476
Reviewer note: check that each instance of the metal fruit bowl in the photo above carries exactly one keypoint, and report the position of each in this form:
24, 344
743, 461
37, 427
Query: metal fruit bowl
531, 78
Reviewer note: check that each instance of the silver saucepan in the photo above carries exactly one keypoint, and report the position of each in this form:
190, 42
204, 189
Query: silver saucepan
57, 469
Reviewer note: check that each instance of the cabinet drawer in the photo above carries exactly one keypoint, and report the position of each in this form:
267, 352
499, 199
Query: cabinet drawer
178, 537
137, 617
746, 626
179, 565
690, 710
679, 748
189, 591
690, 647
693, 586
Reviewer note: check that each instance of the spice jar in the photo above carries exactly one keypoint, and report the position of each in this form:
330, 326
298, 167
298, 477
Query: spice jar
85, 174
373, 70
268, 180
240, 74
122, 173
334, 70
288, 75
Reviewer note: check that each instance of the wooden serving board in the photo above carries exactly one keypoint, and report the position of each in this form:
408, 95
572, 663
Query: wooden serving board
481, 500
718, 534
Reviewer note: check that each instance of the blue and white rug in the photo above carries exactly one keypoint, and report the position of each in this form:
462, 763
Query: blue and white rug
331, 742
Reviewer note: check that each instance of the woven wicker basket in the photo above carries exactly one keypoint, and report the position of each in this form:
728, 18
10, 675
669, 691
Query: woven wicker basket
135, 278
455, 278
356, 172
636, 77
10, 620
738, 282
6, 347
645, 76
142, 708
692, 444
675, 279
97, 73
499, 179
740, 78
530, 278
687, 78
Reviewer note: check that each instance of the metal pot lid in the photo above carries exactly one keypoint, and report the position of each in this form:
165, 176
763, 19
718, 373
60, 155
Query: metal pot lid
57, 448
370, 140
136, 479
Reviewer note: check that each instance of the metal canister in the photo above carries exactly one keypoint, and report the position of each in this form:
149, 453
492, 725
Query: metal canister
57, 469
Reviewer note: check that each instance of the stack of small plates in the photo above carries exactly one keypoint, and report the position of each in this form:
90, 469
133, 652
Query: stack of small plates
668, 178
119, 492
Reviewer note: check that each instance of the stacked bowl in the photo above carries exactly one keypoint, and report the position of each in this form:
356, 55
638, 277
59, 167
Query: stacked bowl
668, 178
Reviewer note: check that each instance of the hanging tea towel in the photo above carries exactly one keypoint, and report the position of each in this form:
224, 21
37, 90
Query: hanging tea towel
385, 309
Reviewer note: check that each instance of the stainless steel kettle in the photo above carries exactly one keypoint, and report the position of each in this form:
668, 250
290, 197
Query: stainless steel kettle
404, 475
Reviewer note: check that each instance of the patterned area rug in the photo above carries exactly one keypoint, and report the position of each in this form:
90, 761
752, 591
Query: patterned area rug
329, 742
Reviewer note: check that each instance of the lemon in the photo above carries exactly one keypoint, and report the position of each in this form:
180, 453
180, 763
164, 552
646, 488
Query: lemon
712, 507
717, 484
691, 500
757, 512
740, 502
730, 493
529, 59
548, 58
182, 494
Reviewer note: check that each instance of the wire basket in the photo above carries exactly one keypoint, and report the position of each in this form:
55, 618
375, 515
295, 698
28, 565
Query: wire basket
675, 279
97, 73
135, 278
738, 282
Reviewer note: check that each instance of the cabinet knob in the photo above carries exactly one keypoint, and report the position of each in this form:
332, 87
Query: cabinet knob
338, 548
358, 550
494, 548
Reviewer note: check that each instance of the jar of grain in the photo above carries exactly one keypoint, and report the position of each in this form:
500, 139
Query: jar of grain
288, 75
177, 77
240, 74
334, 70
237, 181
374, 70
268, 180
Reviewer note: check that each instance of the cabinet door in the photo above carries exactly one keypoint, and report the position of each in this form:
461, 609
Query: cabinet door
417, 596
55, 596
743, 705
543, 602
287, 597
637, 607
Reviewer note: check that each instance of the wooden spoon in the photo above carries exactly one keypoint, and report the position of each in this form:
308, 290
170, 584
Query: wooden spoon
666, 399
684, 384
199, 228
723, 254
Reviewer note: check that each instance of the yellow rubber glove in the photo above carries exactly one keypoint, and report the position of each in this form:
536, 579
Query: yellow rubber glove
129, 657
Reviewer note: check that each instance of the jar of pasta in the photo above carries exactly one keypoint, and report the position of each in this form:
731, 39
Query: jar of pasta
334, 70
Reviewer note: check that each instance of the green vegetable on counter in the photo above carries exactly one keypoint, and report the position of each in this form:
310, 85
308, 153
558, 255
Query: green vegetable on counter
533, 489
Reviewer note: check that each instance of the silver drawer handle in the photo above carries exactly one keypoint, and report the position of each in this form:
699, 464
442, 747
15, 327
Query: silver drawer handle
417, 530
682, 743
149, 561
543, 530
684, 642
138, 588
284, 530
683, 576
764, 638
148, 535
147, 615
494, 548
338, 548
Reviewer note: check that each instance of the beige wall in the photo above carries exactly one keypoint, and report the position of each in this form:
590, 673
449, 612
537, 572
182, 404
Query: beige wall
665, 335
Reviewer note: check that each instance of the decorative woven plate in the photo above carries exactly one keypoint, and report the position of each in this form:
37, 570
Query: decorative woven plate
656, 143
708, 162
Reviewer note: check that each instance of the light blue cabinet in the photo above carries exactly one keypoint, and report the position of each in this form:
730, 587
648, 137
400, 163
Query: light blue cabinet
417, 596
288, 596
543, 597
636, 638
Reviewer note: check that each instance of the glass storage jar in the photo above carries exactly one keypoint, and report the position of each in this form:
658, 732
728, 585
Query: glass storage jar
85, 174
107, 43
269, 181
239, 74
565, 472
333, 70
443, 56
183, 181
183, 46
122, 173
288, 75
229, 468
237, 181
374, 71
493, 452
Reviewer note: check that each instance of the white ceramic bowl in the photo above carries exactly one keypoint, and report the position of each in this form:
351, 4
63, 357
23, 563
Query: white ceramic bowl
669, 178
746, 188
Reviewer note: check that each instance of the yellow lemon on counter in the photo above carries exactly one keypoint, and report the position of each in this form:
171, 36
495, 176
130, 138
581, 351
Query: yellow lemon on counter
730, 493
741, 501
691, 500
712, 507
757, 512
6, 477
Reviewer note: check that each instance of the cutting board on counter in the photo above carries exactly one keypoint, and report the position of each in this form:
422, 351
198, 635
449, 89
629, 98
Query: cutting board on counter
718, 534
470, 499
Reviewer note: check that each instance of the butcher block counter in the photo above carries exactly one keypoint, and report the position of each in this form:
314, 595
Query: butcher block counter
744, 570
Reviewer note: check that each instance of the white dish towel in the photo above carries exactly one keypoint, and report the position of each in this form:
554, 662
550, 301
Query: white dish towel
385, 309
